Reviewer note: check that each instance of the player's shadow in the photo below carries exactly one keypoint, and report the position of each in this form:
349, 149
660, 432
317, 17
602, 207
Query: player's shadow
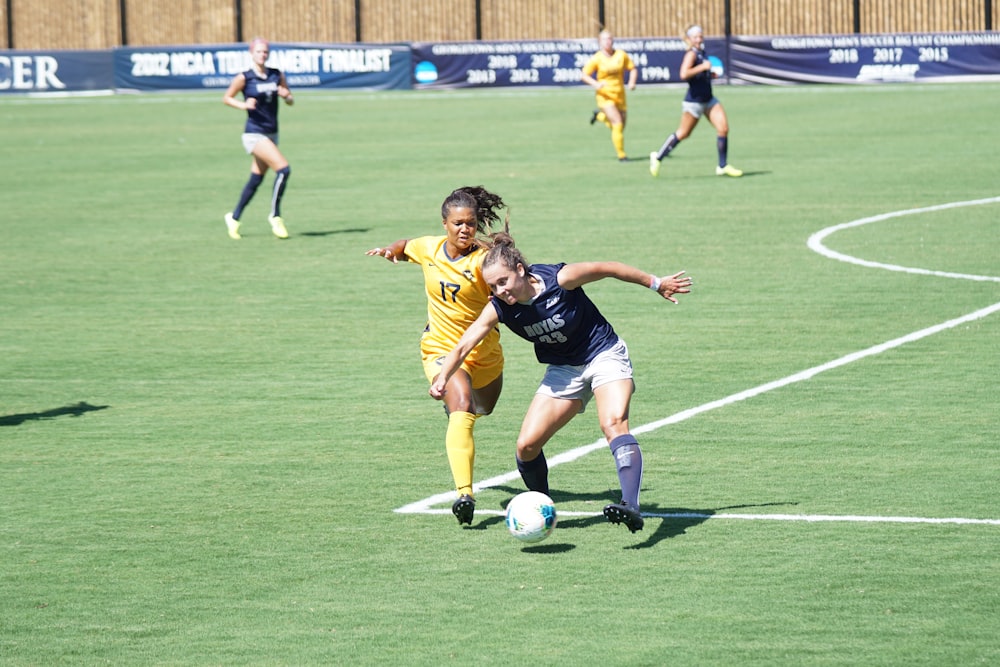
332, 232
661, 523
67, 410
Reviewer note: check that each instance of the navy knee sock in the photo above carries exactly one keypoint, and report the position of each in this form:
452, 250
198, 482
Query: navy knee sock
280, 181
628, 460
667, 146
535, 473
248, 191
722, 143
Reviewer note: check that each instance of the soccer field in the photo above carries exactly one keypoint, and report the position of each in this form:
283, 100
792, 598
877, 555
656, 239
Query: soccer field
223, 452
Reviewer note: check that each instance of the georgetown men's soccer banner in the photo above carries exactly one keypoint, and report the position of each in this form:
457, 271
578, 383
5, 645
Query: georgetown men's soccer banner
304, 66
540, 63
54, 71
867, 58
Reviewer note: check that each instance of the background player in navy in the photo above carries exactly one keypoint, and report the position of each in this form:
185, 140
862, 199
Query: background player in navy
696, 69
546, 305
261, 87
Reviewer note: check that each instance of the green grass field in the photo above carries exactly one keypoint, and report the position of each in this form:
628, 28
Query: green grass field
203, 442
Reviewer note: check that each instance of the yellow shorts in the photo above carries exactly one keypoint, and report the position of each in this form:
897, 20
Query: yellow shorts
483, 369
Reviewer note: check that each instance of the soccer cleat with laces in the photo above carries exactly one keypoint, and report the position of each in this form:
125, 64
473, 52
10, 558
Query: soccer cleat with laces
278, 227
593, 116
622, 513
463, 509
728, 170
654, 165
233, 225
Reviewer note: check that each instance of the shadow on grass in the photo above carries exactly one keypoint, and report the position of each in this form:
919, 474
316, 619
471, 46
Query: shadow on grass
70, 410
661, 523
331, 232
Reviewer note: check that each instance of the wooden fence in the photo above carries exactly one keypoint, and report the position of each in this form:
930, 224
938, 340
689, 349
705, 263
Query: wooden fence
102, 24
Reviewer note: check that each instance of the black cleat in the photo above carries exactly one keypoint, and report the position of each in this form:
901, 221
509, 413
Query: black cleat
464, 508
622, 513
593, 116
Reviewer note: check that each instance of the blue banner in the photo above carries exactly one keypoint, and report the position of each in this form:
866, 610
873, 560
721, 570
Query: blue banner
867, 58
304, 65
541, 63
55, 71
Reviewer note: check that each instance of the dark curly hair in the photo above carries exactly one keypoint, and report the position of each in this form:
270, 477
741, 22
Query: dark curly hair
486, 204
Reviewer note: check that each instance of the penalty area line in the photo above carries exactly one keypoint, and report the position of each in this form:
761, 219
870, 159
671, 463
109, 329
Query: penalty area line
705, 516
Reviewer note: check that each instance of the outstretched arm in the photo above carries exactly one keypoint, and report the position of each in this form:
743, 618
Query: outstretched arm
476, 332
393, 252
575, 275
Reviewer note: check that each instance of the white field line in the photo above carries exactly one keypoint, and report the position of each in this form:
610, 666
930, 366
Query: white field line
815, 243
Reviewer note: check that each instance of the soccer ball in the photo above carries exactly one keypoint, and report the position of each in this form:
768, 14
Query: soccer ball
531, 516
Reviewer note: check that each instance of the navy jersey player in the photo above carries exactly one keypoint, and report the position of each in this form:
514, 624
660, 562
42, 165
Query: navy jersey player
545, 304
696, 69
261, 87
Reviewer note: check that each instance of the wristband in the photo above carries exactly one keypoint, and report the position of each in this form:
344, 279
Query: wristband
654, 283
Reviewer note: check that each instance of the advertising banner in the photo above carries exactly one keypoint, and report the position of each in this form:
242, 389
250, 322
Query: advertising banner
55, 71
305, 66
541, 63
866, 58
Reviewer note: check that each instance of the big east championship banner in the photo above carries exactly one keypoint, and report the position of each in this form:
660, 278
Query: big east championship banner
304, 65
541, 63
867, 58
55, 71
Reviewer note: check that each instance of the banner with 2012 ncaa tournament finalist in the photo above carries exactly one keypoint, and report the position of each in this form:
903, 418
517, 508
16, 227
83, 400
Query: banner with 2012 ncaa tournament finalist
931, 57
541, 62
370, 66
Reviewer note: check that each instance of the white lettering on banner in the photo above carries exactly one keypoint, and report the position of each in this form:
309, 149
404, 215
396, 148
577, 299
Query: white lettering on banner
29, 73
190, 63
356, 60
295, 61
888, 72
150, 64
232, 62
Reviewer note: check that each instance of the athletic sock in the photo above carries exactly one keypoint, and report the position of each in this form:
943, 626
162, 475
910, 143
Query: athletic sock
667, 146
461, 449
628, 460
535, 473
278, 191
248, 192
722, 144
618, 139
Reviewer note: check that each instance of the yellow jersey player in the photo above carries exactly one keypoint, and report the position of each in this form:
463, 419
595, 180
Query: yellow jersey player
605, 73
456, 295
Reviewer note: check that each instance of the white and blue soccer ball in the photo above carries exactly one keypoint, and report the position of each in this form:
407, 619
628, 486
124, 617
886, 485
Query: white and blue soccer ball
531, 516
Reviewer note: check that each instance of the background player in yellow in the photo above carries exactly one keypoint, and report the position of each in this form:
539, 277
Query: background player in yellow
456, 295
605, 73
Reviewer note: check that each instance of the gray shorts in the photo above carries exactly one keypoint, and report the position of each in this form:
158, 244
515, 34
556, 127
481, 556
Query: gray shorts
579, 382
697, 109
250, 140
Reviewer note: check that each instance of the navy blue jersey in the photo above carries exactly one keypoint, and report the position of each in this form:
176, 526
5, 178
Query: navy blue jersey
564, 325
263, 119
700, 85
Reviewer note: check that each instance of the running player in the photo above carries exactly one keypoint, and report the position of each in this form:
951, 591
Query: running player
696, 69
456, 294
546, 305
605, 73
261, 87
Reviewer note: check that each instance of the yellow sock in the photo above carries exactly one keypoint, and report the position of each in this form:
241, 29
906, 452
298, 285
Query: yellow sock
618, 139
461, 449
603, 118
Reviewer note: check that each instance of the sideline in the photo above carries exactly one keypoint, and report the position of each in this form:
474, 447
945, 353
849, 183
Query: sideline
815, 243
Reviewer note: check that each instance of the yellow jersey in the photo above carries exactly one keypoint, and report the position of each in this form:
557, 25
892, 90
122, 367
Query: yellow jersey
610, 71
456, 295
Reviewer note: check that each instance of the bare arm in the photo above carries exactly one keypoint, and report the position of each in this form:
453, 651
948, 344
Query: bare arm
477, 331
393, 252
284, 92
578, 274
235, 86
633, 77
689, 69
